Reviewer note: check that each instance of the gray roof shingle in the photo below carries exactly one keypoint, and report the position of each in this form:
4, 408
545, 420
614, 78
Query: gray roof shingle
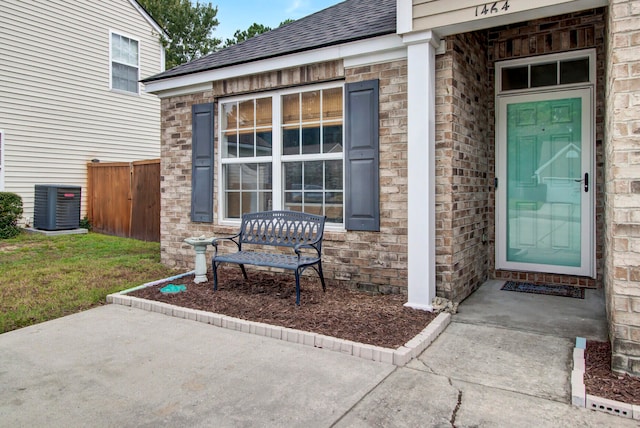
344, 22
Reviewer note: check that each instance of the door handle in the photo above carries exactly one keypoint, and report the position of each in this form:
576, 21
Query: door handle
585, 180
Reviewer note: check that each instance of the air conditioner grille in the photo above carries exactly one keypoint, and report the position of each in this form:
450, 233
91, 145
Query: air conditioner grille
57, 207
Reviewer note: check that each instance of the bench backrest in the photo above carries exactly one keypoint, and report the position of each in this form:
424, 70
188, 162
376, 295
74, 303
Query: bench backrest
281, 228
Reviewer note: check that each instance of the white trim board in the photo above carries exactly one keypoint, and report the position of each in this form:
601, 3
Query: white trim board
377, 46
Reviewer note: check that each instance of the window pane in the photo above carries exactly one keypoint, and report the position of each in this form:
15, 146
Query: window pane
311, 140
293, 175
291, 141
311, 106
333, 175
334, 207
229, 116
133, 52
312, 198
574, 71
245, 116
246, 144
266, 202
515, 78
124, 50
232, 177
232, 205
263, 142
291, 109
265, 181
544, 75
249, 176
293, 186
263, 112
313, 175
332, 138
124, 77
247, 188
230, 145
332, 104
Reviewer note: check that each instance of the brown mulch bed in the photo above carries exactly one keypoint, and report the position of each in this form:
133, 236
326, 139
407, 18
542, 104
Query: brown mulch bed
600, 381
374, 319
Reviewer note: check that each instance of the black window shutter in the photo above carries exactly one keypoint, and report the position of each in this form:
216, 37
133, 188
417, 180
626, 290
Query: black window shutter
362, 198
202, 163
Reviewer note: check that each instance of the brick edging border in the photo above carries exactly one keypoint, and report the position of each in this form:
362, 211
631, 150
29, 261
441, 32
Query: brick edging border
580, 398
399, 357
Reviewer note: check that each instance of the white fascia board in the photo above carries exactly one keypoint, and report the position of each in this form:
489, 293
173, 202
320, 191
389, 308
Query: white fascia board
375, 58
185, 90
149, 19
376, 45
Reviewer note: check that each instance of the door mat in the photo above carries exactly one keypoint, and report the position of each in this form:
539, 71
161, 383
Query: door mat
553, 290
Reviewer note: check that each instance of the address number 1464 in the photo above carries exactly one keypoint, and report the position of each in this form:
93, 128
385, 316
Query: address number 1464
492, 8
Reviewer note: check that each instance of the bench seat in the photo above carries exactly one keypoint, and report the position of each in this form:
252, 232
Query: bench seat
282, 261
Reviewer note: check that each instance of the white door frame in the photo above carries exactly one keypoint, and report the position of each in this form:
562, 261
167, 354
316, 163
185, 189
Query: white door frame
587, 263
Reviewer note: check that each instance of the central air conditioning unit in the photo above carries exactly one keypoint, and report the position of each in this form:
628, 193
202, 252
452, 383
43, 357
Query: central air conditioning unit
56, 207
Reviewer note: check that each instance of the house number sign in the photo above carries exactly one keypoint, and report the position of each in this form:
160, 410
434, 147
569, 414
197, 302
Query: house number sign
492, 8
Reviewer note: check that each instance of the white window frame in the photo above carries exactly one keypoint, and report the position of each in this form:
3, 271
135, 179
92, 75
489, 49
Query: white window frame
543, 59
2, 150
121, 34
277, 159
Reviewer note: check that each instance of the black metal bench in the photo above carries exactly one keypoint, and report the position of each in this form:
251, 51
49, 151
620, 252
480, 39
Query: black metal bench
300, 231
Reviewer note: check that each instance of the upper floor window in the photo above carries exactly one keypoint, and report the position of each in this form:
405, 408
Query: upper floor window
125, 63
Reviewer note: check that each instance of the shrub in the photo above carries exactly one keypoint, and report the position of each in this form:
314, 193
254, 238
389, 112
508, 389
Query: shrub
85, 223
10, 212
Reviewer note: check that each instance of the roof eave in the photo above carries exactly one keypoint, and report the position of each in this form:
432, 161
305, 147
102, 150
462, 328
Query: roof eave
266, 57
385, 44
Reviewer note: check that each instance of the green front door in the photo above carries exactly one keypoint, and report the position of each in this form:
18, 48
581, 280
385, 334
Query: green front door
545, 213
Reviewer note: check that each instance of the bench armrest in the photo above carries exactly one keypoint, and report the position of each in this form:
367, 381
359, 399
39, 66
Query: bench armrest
233, 239
313, 244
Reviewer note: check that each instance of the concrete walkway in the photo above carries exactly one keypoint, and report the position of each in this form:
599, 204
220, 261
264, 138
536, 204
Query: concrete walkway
119, 366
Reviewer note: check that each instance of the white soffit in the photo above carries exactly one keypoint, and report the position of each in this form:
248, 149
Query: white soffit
362, 52
467, 18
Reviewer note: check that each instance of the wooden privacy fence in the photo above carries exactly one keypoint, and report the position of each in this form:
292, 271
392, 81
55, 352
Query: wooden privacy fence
123, 198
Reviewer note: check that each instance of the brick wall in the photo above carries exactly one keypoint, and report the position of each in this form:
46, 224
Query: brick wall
622, 166
562, 33
364, 259
463, 166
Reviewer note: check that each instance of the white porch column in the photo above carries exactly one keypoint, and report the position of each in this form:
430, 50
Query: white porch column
421, 58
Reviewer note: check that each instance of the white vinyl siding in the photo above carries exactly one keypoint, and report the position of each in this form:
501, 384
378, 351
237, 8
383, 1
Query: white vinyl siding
58, 111
1, 161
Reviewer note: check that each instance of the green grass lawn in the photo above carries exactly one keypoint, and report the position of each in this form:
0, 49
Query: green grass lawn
42, 278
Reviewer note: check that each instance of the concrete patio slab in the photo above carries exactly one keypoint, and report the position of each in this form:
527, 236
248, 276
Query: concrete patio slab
119, 366
512, 360
482, 406
416, 398
551, 315
407, 398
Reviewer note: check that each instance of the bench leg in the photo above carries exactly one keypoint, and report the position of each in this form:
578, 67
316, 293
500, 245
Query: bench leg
298, 287
214, 268
324, 288
244, 272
